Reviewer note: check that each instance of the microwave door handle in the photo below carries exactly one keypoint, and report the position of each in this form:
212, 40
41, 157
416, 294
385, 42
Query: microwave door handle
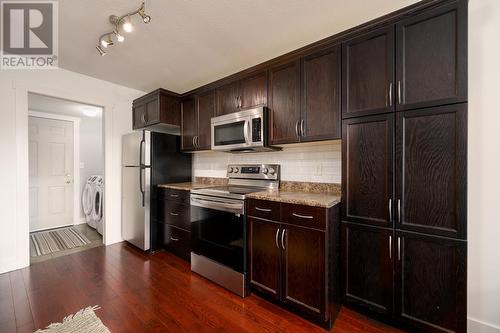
245, 132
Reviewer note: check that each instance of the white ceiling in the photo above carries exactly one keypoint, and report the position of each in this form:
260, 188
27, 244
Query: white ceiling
48, 104
193, 42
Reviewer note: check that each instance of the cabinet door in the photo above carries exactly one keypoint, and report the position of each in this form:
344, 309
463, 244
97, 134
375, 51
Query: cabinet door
139, 116
170, 110
188, 127
264, 256
227, 98
431, 170
321, 107
431, 282
432, 57
368, 73
367, 254
367, 170
284, 102
153, 111
205, 111
253, 91
304, 284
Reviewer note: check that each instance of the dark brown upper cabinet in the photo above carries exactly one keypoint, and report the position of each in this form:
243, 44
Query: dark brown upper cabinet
431, 282
284, 102
367, 267
431, 170
367, 169
189, 124
246, 93
320, 100
160, 108
431, 57
368, 73
196, 115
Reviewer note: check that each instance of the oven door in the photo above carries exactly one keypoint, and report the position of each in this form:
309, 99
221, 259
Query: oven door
218, 230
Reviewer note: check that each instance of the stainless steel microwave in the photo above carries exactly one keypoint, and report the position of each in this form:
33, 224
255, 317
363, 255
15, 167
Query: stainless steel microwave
243, 131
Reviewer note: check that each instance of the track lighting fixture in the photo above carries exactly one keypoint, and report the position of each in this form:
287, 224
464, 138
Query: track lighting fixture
124, 23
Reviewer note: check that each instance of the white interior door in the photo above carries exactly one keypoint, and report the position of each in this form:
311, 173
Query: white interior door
50, 173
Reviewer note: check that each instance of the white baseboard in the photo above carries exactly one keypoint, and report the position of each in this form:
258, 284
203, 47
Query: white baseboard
81, 221
477, 326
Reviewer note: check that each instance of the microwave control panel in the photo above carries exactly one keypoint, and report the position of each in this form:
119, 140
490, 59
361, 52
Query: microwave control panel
256, 129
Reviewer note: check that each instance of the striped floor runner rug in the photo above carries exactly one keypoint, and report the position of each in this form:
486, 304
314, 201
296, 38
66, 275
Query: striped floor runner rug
45, 242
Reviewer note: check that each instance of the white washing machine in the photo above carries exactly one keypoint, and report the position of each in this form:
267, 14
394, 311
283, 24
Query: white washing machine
92, 201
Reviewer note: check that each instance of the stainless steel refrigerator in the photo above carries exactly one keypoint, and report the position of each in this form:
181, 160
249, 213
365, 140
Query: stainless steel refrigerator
148, 159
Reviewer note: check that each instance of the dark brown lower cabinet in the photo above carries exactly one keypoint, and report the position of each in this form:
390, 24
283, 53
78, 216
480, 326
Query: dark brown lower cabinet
175, 240
416, 279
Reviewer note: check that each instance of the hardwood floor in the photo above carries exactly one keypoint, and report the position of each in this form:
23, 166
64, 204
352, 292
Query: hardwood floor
138, 292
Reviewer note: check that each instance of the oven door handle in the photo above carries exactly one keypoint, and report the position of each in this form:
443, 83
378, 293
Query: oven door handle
236, 208
245, 132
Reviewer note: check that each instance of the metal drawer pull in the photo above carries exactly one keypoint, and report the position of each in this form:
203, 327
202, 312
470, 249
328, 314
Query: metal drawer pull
297, 128
399, 211
282, 239
263, 209
276, 238
174, 214
390, 94
390, 210
174, 195
399, 248
399, 92
174, 239
303, 216
390, 247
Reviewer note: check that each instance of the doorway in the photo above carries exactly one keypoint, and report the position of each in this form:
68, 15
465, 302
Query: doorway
66, 176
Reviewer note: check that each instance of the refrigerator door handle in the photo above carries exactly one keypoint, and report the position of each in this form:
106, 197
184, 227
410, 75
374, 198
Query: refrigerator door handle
141, 185
141, 150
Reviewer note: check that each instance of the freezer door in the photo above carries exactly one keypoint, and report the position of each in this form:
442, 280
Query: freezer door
136, 149
136, 206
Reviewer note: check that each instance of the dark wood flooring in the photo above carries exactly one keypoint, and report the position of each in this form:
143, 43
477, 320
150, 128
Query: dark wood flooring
139, 292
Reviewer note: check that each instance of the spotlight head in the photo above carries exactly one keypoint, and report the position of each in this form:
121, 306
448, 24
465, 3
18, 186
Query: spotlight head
107, 42
119, 37
145, 18
100, 50
127, 25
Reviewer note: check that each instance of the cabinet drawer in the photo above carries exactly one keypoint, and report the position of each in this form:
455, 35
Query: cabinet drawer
175, 240
306, 216
268, 210
174, 195
174, 213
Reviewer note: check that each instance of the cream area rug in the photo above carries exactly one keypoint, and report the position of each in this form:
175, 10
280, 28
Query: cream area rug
45, 242
84, 321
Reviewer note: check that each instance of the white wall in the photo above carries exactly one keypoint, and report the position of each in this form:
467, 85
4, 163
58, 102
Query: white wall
318, 162
14, 87
484, 166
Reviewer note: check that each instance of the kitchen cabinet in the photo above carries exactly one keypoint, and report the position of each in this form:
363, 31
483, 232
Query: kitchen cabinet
367, 267
431, 282
189, 124
367, 170
157, 110
293, 260
320, 101
248, 92
431, 171
284, 102
368, 73
304, 98
173, 223
431, 57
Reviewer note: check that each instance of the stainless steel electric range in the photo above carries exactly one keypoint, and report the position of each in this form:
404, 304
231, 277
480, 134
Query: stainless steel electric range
218, 221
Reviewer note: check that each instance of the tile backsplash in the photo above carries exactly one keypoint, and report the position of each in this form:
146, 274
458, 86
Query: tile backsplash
306, 162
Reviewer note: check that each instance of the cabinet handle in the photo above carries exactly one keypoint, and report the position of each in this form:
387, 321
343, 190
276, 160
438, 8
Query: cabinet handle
297, 128
196, 141
399, 92
174, 214
144, 117
390, 210
390, 94
276, 238
282, 239
390, 247
399, 211
302, 128
263, 209
194, 146
174, 195
303, 216
174, 239
399, 248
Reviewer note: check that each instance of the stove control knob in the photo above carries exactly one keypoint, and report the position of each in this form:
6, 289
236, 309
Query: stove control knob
236, 170
272, 171
265, 171
230, 170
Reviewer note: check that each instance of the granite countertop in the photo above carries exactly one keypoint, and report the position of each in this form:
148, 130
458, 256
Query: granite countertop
316, 199
199, 182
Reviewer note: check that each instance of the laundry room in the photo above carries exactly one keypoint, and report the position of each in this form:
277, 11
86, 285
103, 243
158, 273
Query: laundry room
66, 176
